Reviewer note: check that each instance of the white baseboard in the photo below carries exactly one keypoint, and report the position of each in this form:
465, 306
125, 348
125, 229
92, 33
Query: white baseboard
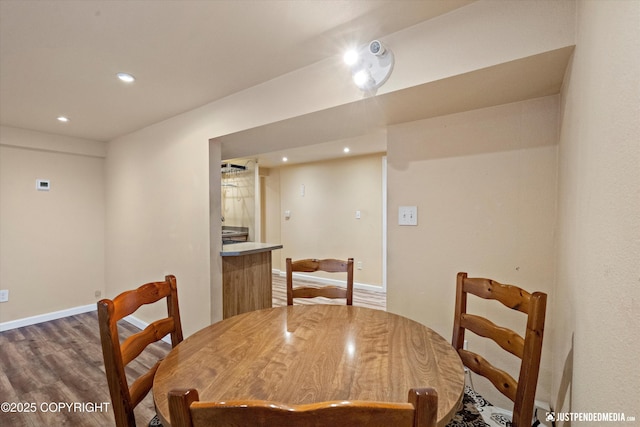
19, 323
33, 320
328, 281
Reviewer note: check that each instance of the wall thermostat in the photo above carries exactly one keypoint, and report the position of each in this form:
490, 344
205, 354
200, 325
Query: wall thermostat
43, 184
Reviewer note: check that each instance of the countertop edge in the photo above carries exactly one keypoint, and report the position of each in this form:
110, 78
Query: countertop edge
247, 248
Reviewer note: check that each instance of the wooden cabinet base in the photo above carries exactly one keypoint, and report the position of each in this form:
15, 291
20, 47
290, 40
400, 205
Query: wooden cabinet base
246, 283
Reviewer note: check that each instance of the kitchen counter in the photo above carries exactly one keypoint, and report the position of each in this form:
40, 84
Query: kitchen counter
246, 277
247, 248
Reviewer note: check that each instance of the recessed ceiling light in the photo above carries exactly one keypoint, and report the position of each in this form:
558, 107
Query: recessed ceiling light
63, 119
346, 149
125, 77
284, 159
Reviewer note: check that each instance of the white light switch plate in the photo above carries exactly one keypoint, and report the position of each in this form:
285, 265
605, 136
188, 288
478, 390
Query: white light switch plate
4, 295
408, 215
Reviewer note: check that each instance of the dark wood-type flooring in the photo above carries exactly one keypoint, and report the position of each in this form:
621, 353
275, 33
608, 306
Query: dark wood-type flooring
61, 361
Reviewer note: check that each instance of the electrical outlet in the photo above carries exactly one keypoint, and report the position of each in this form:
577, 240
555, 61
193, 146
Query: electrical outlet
359, 265
4, 295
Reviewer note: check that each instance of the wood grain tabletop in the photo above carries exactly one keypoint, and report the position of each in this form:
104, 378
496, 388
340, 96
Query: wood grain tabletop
312, 353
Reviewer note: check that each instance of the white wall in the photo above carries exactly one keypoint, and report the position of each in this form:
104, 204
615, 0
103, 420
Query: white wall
158, 217
484, 183
323, 221
598, 281
51, 243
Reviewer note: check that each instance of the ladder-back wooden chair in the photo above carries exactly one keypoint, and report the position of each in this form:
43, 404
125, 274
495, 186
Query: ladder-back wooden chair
527, 348
186, 410
313, 265
117, 355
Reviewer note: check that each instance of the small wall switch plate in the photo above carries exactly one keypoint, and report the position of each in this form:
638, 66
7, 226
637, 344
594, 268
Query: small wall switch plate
4, 295
408, 215
358, 214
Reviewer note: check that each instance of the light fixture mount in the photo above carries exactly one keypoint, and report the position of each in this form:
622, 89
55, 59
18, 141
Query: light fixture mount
372, 65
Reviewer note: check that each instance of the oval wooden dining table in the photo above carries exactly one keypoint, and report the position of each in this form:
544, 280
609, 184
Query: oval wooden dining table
312, 353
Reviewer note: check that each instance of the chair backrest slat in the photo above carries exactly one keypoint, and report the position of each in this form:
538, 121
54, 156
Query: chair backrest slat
141, 386
129, 301
499, 378
510, 296
310, 265
131, 347
504, 337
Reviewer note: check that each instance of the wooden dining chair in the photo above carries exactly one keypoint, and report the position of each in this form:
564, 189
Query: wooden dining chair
186, 410
527, 349
117, 355
313, 265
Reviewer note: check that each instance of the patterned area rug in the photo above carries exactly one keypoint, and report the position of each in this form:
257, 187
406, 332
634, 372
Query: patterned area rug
469, 415
478, 412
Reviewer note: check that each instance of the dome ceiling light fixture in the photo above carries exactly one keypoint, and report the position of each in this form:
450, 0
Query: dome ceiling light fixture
370, 65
